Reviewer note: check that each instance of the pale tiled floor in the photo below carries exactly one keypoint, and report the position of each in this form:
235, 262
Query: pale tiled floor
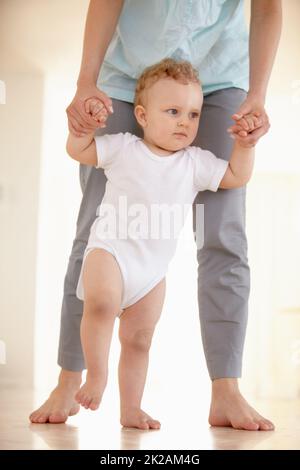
185, 429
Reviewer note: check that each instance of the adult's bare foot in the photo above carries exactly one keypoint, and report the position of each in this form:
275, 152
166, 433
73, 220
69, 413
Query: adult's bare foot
61, 403
229, 408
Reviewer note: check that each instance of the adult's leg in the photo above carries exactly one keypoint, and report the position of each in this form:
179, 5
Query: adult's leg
223, 273
70, 357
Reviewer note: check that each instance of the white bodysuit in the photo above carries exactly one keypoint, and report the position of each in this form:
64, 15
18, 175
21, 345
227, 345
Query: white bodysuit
142, 190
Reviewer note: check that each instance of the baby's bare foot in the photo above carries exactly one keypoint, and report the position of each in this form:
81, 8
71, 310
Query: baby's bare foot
91, 392
137, 418
59, 406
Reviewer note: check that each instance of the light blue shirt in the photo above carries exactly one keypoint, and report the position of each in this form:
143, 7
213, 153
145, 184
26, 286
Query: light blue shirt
211, 34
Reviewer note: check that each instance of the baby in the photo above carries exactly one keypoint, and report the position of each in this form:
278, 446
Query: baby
128, 251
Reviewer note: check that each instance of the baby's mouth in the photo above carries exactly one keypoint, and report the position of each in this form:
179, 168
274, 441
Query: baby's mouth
180, 133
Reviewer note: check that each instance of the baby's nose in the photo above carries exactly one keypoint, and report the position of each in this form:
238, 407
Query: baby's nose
183, 122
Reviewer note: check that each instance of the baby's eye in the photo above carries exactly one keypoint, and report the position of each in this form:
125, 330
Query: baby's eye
195, 115
172, 109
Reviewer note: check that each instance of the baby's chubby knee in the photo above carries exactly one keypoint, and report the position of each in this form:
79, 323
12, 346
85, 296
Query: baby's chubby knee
139, 340
107, 303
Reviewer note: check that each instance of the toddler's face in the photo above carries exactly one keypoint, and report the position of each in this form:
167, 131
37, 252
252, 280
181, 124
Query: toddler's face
171, 113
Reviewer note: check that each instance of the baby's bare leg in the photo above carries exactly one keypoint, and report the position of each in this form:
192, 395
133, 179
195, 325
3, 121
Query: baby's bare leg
137, 325
102, 282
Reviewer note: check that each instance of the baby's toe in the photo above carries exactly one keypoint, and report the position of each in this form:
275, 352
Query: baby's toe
95, 402
86, 401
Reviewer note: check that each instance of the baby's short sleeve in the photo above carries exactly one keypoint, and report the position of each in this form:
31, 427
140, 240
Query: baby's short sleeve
208, 169
109, 148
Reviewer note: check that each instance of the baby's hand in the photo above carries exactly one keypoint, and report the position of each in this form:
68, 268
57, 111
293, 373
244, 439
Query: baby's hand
245, 125
249, 122
96, 108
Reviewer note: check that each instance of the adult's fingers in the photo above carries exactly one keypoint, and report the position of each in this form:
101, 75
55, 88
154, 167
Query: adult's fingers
258, 133
73, 128
79, 130
85, 120
81, 123
77, 111
235, 129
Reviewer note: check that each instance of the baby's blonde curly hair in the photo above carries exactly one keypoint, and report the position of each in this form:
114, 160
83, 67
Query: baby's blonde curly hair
182, 71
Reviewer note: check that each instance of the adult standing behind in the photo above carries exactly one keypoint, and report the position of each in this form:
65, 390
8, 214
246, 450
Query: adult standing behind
121, 39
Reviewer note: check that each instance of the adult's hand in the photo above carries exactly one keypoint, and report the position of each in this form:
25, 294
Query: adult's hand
241, 130
81, 122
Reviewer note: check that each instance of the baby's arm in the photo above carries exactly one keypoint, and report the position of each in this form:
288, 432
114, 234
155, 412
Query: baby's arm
82, 149
241, 162
240, 167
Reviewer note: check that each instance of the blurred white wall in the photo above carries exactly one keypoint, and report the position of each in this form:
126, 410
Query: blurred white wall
19, 182
39, 59
41, 43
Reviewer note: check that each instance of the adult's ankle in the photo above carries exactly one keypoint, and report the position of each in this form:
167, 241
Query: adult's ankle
69, 377
225, 384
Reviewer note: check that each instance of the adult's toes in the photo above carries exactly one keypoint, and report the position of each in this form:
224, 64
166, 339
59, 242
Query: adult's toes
251, 425
58, 417
154, 424
248, 425
271, 425
42, 418
144, 425
265, 425
33, 417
